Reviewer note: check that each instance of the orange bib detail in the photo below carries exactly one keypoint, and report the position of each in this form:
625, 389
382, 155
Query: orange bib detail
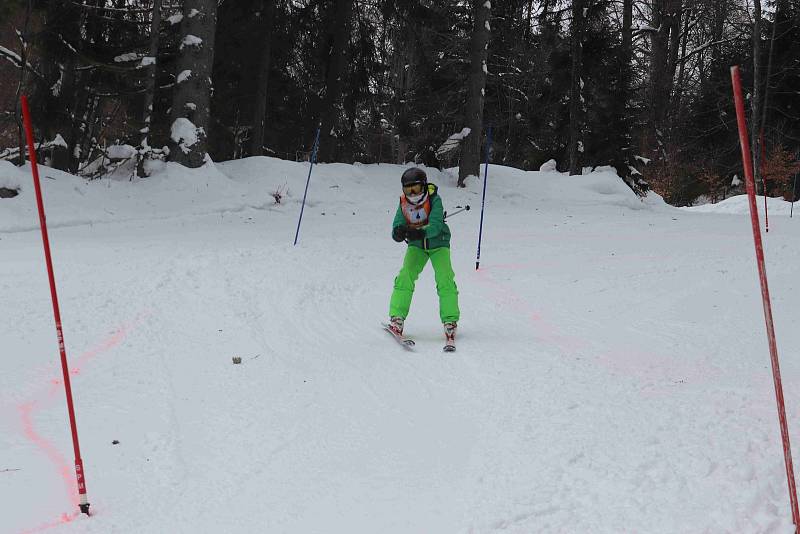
416, 216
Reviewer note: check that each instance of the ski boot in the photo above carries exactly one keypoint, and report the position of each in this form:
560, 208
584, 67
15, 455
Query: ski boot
450, 336
396, 325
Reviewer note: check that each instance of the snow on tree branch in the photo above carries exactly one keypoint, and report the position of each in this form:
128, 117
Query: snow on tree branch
452, 143
14, 58
191, 40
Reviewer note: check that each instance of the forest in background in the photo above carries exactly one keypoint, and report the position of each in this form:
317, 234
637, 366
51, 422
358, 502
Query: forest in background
641, 85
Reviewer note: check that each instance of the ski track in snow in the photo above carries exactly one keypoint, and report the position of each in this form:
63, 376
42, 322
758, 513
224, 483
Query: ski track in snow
612, 373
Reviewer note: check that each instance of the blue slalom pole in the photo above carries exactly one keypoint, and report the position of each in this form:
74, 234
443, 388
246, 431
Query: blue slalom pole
303, 206
483, 200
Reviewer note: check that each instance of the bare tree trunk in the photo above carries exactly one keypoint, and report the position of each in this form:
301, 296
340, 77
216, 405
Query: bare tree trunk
192, 94
150, 88
267, 15
675, 17
528, 26
64, 156
720, 15
626, 77
660, 86
22, 69
678, 94
624, 162
627, 30
575, 93
77, 132
765, 104
56, 93
329, 116
470, 162
91, 122
756, 101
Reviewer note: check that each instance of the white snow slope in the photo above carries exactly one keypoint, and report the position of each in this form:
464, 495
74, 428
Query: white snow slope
612, 373
739, 204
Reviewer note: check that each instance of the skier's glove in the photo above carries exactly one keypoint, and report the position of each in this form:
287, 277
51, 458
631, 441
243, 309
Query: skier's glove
415, 233
399, 233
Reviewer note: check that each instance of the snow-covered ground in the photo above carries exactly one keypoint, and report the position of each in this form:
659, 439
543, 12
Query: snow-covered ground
740, 205
612, 373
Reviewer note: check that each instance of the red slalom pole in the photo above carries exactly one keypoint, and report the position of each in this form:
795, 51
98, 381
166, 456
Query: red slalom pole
79, 474
762, 274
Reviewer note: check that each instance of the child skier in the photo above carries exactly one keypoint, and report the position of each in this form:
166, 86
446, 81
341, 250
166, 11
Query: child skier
420, 221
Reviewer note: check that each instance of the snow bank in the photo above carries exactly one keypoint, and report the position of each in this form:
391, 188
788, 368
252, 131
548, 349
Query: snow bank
249, 183
740, 205
71, 200
601, 186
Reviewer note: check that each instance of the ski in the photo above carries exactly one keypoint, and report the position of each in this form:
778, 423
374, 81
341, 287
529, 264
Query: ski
450, 347
405, 342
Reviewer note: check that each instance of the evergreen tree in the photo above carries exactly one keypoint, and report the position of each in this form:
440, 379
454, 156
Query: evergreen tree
643, 86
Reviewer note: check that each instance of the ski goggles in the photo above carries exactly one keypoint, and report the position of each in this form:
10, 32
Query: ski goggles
413, 189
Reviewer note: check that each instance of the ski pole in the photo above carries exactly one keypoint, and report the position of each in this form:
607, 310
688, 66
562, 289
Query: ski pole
446, 215
483, 200
308, 180
79, 473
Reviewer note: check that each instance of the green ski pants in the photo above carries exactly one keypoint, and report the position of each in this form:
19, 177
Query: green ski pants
413, 263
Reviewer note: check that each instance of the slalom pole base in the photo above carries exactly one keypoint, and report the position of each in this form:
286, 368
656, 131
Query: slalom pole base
84, 508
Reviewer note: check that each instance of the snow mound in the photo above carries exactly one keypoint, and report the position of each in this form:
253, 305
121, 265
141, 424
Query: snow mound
602, 187
10, 177
173, 191
71, 200
739, 205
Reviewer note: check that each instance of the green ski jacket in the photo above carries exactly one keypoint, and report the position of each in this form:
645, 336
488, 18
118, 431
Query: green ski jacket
437, 233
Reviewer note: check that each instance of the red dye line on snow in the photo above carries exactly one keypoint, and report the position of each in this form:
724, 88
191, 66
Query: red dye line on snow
55, 457
545, 331
624, 360
64, 519
27, 409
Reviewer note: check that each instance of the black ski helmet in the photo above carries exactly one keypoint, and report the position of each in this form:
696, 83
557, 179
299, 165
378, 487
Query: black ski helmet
414, 175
